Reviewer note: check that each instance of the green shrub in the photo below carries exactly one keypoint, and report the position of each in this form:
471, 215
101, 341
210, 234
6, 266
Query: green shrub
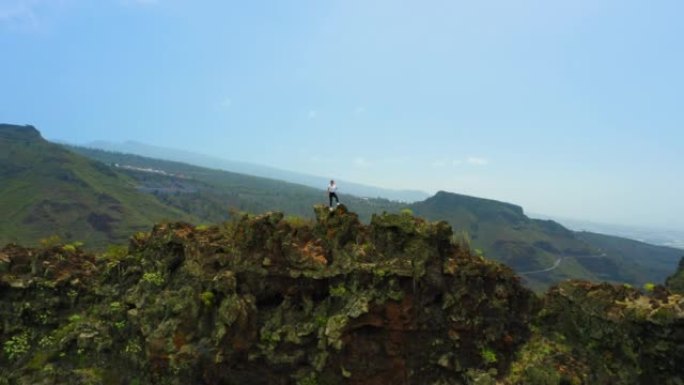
153, 278
406, 211
115, 252
72, 247
488, 356
69, 248
46, 342
50, 241
16, 346
309, 379
207, 298
338, 291
541, 376
132, 347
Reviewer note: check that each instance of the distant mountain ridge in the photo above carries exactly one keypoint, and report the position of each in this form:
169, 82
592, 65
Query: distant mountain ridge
319, 182
27, 133
543, 251
80, 194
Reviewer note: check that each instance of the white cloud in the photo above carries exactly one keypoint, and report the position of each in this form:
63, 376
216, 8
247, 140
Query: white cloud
476, 161
312, 114
456, 162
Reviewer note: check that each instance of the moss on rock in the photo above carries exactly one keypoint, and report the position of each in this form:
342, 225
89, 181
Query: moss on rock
273, 300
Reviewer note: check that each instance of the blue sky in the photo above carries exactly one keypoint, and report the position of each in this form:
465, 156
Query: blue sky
568, 108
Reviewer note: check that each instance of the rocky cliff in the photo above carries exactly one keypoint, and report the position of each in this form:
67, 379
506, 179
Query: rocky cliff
270, 300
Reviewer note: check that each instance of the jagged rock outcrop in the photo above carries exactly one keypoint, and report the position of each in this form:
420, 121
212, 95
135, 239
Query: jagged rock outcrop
270, 300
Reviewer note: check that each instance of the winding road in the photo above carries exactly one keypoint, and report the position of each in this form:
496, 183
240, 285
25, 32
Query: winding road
555, 265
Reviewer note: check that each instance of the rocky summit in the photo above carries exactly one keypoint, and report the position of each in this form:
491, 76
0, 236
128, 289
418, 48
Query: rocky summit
273, 300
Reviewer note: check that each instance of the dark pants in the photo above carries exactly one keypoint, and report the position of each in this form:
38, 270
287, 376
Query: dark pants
331, 196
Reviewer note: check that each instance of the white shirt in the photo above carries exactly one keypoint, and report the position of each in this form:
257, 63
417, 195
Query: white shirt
332, 188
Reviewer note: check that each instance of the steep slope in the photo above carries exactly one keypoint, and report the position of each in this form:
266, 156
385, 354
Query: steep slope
506, 234
266, 300
47, 190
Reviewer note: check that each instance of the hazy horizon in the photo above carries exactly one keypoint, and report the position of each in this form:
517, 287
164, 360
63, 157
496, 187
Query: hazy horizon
568, 109
574, 223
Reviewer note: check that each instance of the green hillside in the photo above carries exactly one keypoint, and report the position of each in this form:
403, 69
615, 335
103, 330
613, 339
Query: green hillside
542, 251
47, 190
651, 263
212, 194
506, 234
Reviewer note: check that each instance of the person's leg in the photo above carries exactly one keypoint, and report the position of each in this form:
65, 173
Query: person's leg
330, 196
337, 200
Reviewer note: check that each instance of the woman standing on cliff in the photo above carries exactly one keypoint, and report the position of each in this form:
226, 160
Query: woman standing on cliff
332, 193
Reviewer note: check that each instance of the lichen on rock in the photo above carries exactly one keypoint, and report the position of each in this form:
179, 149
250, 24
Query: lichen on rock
271, 300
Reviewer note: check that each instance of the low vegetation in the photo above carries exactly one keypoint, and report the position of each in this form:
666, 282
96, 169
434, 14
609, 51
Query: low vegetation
266, 300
